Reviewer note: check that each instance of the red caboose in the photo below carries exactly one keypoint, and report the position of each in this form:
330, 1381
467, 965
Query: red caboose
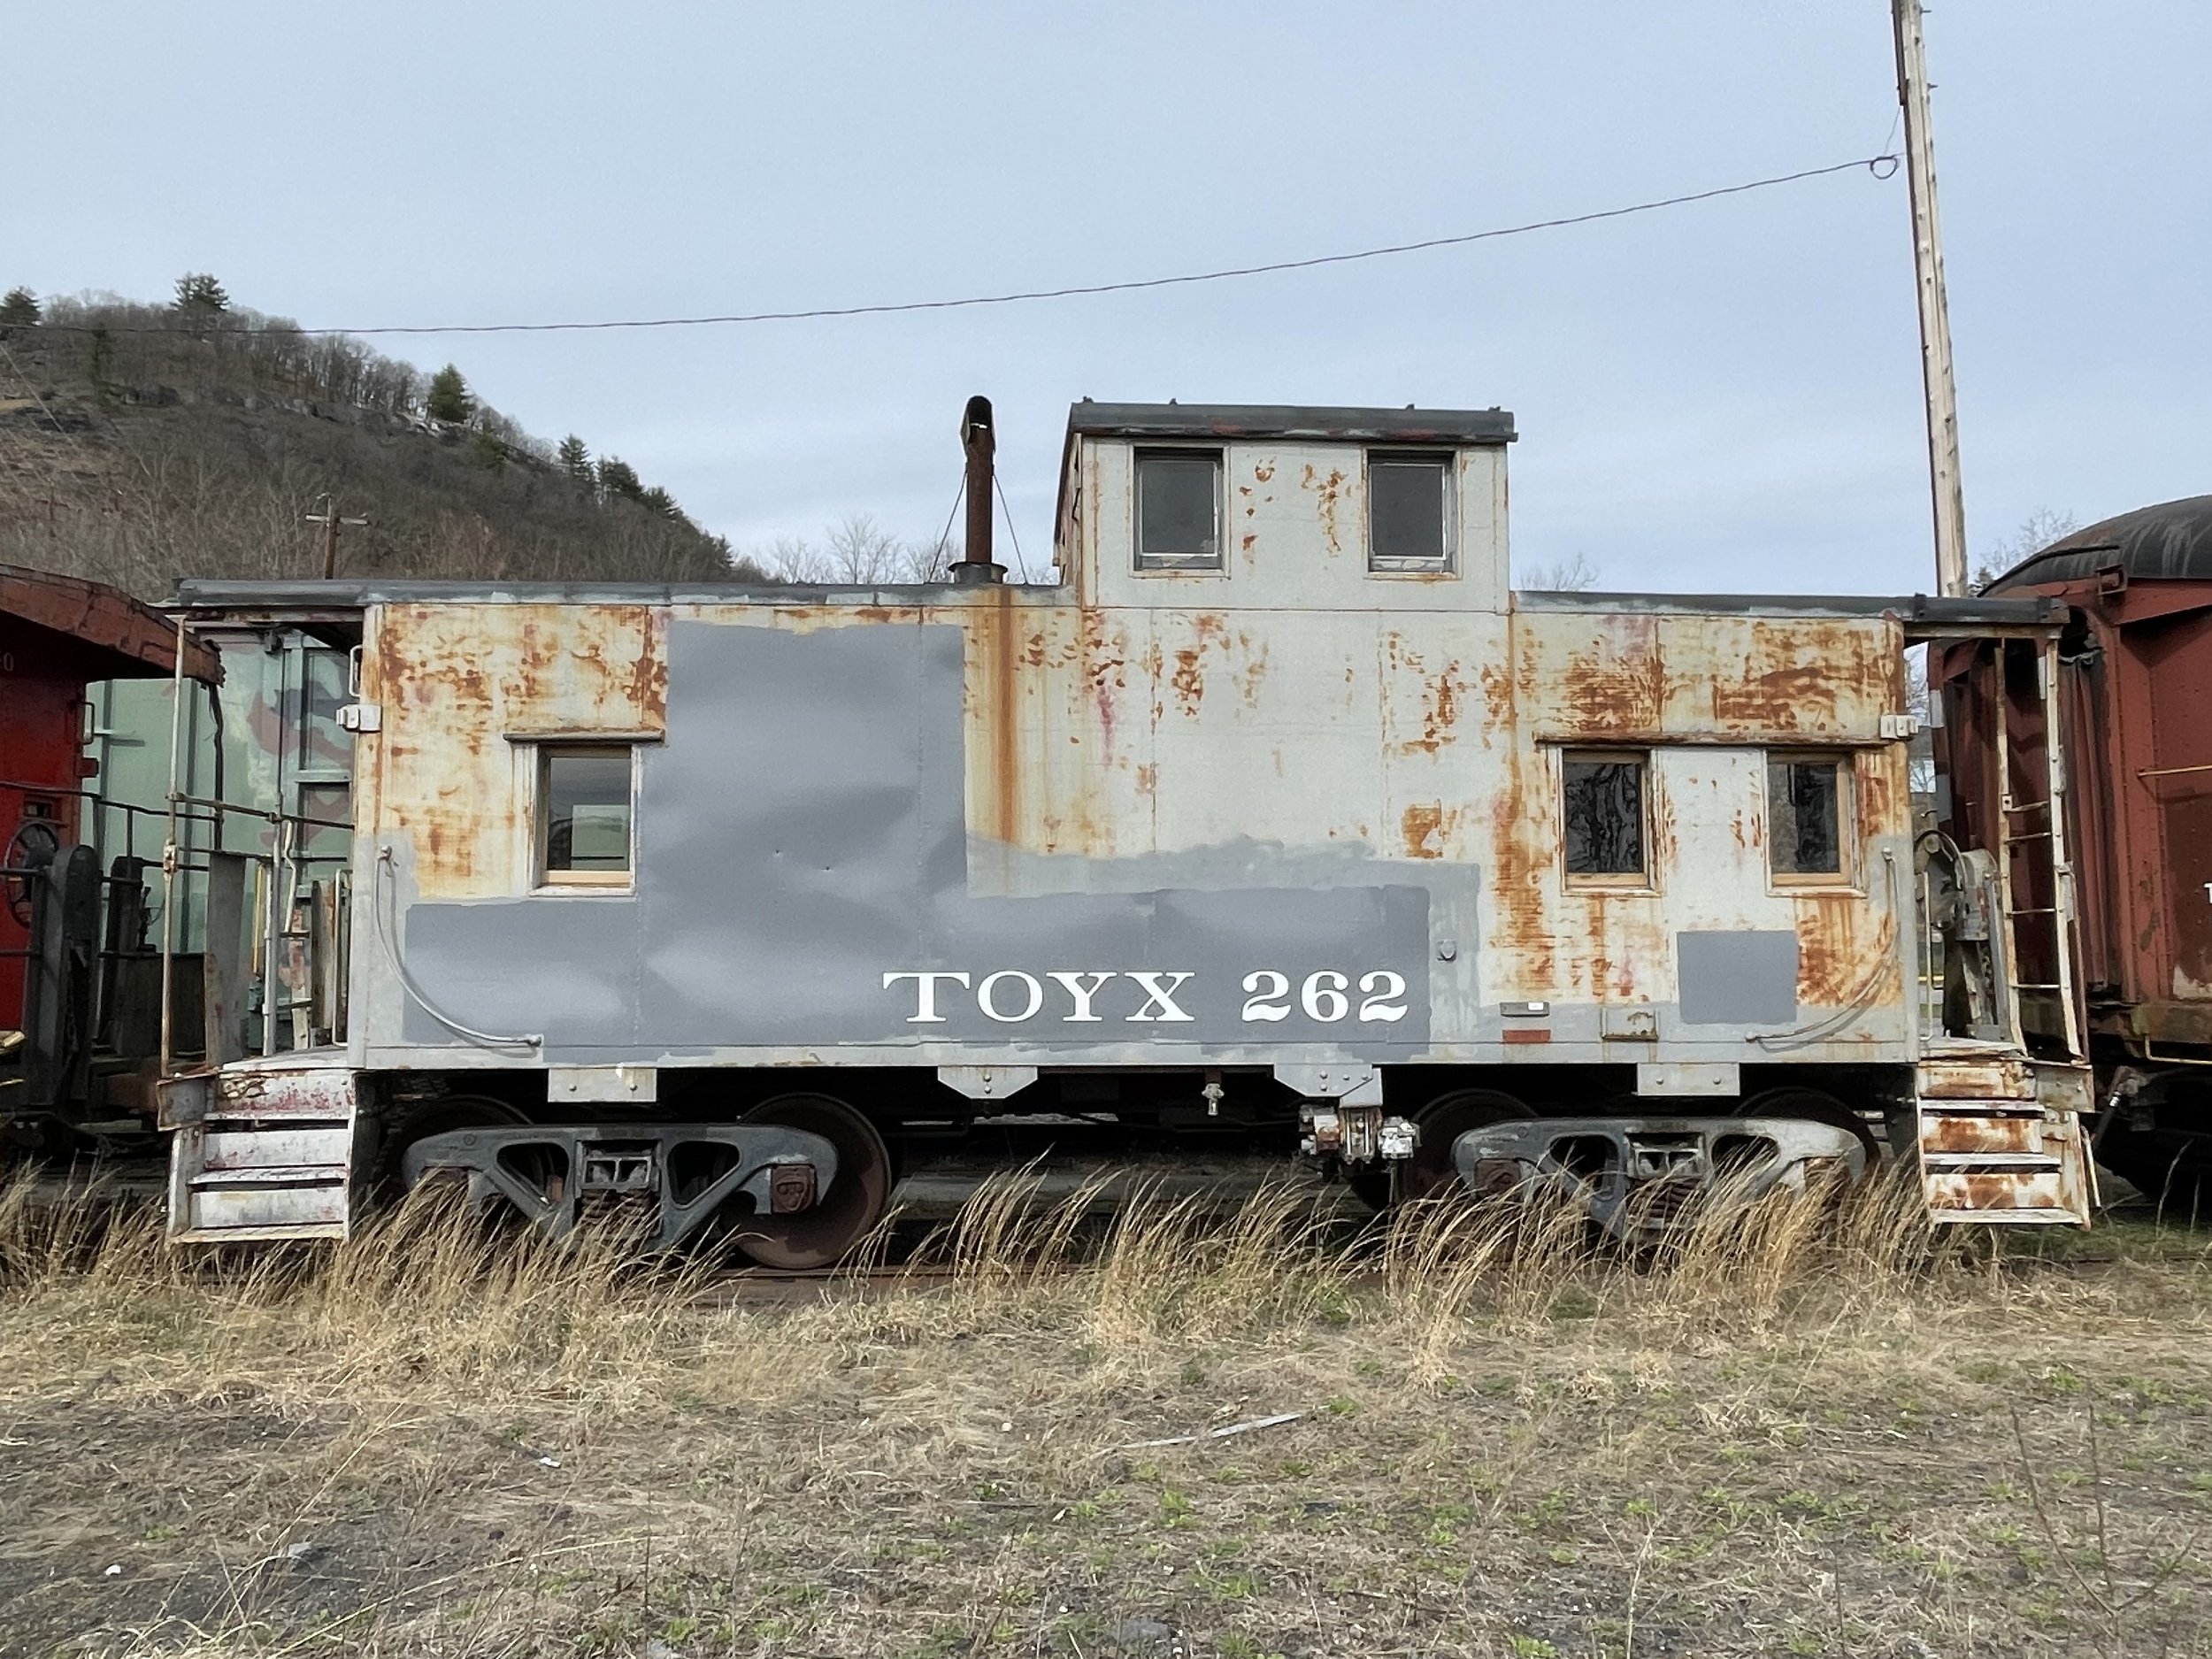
57, 635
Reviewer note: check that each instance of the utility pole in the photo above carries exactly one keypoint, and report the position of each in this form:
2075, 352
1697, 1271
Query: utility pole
329, 519
1935, 315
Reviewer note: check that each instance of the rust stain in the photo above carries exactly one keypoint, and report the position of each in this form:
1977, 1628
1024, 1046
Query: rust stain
1521, 834
1148, 778
1249, 677
1330, 489
648, 673
1104, 659
1882, 786
1442, 697
1976, 1079
995, 673
1956, 1132
1664, 843
1807, 676
1188, 681
1421, 829
1263, 471
1843, 950
1497, 693
1619, 685
1788, 698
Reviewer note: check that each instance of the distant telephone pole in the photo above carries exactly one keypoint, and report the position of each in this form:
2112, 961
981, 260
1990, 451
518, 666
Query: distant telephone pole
1935, 315
329, 519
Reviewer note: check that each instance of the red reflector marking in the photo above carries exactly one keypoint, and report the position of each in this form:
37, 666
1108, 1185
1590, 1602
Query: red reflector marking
1524, 1033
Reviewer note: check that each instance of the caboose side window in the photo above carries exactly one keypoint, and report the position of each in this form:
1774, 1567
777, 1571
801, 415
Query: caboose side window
1809, 802
1408, 511
584, 814
1178, 510
1602, 817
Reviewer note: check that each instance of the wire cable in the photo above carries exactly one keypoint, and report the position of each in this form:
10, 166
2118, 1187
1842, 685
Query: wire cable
1874, 164
944, 536
1013, 534
385, 867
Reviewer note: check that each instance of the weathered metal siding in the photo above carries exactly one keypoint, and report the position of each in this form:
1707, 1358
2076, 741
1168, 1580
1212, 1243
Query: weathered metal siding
1295, 723
1708, 696
455, 681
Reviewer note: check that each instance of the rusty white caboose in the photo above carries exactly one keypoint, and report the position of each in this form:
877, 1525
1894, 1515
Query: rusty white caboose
1280, 812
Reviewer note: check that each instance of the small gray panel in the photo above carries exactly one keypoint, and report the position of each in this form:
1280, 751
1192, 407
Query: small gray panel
1736, 979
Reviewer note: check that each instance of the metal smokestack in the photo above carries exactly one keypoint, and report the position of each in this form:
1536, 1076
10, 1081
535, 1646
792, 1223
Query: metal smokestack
979, 439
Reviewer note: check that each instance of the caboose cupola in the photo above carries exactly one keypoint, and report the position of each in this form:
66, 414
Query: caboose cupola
1266, 507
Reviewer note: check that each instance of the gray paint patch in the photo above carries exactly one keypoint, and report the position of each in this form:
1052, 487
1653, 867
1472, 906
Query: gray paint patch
1736, 979
800, 833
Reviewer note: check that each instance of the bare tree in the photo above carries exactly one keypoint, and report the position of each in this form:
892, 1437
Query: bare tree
1562, 576
2035, 532
863, 553
855, 552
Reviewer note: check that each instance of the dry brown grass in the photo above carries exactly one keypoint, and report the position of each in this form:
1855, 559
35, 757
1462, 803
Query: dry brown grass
1792, 1432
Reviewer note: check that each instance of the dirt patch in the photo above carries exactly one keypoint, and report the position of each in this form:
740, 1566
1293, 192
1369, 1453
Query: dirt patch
451, 1449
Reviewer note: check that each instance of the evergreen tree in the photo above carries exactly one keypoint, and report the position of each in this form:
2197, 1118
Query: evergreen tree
198, 291
661, 504
19, 310
618, 480
575, 460
449, 398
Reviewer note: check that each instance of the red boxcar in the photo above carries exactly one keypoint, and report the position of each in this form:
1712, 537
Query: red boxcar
2136, 701
58, 635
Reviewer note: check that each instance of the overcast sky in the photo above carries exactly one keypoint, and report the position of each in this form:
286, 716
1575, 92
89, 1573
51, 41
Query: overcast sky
1724, 395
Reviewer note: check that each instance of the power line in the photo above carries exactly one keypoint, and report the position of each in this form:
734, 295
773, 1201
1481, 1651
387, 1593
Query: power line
1874, 164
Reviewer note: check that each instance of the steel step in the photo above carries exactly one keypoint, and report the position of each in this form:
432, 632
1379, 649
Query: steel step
270, 1175
2005, 1162
264, 1152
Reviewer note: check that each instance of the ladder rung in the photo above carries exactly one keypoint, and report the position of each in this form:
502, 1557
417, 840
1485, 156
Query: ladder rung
2034, 985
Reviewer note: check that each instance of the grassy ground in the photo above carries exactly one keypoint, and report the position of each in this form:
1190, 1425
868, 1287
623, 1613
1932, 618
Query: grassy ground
1802, 1437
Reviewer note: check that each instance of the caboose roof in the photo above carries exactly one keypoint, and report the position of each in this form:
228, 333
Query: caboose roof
102, 630
2171, 542
1291, 422
340, 602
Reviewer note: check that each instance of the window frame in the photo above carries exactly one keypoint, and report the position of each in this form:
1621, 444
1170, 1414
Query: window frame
543, 879
1846, 763
1643, 880
1178, 565
1445, 564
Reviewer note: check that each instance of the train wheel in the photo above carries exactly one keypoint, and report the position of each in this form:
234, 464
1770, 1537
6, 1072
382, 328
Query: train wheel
2172, 1170
1430, 1172
1816, 1106
437, 1117
846, 1211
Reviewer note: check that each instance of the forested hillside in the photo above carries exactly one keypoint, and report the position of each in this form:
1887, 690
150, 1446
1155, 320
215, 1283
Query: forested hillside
141, 443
